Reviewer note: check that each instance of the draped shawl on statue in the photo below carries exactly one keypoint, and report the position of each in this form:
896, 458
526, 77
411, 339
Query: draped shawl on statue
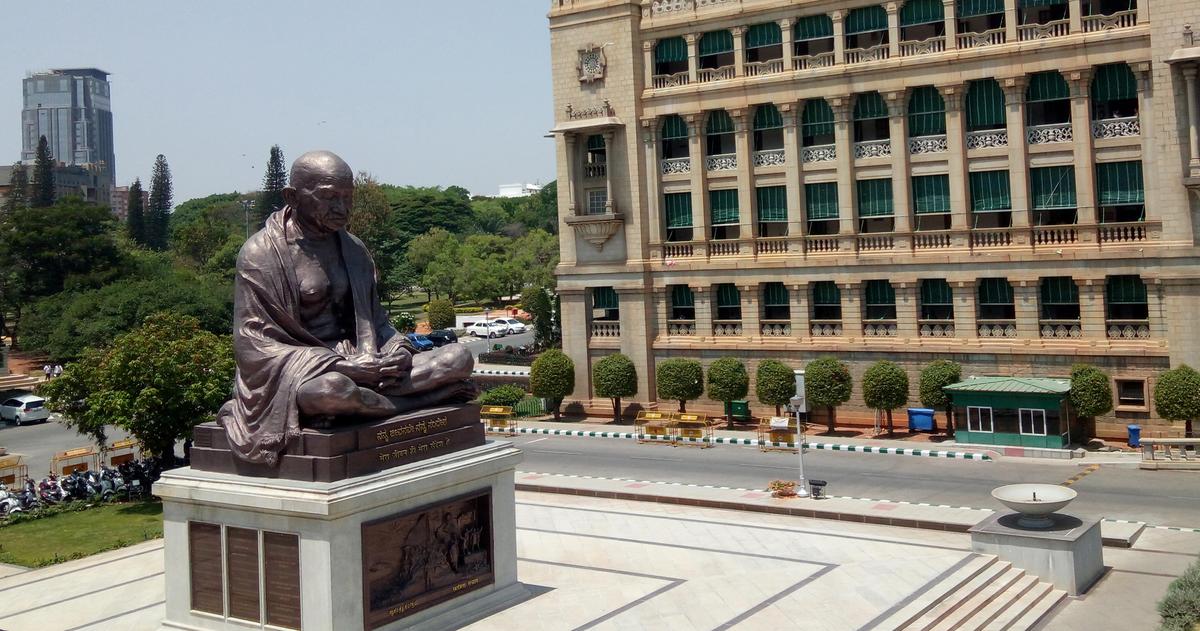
275, 354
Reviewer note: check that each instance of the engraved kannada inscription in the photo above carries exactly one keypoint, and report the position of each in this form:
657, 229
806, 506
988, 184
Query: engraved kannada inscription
413, 430
418, 559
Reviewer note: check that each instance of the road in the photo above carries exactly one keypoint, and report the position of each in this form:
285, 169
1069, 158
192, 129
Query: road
1169, 498
479, 345
38, 443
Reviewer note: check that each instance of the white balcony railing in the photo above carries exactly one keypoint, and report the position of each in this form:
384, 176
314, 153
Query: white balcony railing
1055, 235
864, 55
1029, 32
1046, 134
724, 248
990, 37
595, 170
818, 153
997, 328
771, 245
935, 44
987, 139
927, 144
808, 62
681, 327
727, 328
776, 328
821, 245
826, 328
670, 80
1127, 329
769, 158
995, 238
875, 242
1060, 329
1120, 19
678, 250
936, 329
879, 329
1117, 127
873, 149
606, 329
721, 162
708, 75
676, 166
1122, 232
759, 68
931, 240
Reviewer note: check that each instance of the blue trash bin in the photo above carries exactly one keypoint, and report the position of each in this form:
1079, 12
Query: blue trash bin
920, 420
1135, 435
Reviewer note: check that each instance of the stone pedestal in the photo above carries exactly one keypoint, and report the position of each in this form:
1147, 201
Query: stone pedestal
428, 545
1070, 554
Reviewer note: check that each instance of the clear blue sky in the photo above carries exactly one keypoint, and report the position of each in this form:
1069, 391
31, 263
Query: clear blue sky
425, 93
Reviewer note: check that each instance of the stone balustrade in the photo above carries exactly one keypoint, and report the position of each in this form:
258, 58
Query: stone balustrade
606, 328
935, 44
1044, 134
1170, 453
678, 250
1127, 329
1055, 28
818, 153
993, 238
998, 328
670, 80
724, 248
681, 327
809, 62
880, 328
771, 245
1120, 19
1055, 235
769, 158
760, 68
708, 75
727, 328
1059, 329
935, 328
932, 240
991, 37
821, 244
826, 328
875, 242
676, 166
595, 170
867, 55
776, 328
1123, 127
1122, 232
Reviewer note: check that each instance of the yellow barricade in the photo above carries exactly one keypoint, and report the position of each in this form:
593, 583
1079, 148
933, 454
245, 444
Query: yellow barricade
11, 470
501, 418
650, 425
777, 432
121, 452
71, 460
693, 429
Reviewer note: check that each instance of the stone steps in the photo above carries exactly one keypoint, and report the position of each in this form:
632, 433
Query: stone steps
941, 591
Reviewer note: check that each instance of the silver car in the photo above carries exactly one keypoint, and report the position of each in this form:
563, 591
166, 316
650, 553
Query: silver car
24, 408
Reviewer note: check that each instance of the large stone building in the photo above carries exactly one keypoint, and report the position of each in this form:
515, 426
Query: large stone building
71, 107
1004, 183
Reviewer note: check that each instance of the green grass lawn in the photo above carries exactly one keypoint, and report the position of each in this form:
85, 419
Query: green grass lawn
73, 535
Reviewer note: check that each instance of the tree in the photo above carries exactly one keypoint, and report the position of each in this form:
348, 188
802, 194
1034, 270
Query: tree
885, 387
371, 220
728, 382
615, 377
135, 217
680, 380
827, 384
47, 247
158, 213
552, 377
157, 382
68, 395
936, 376
1177, 396
1091, 393
774, 383
434, 257
507, 395
43, 176
18, 189
274, 181
536, 302
441, 314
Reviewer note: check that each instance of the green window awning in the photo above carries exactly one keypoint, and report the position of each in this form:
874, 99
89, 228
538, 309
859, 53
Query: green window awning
681, 296
723, 207
880, 292
1047, 86
594, 142
826, 293
716, 42
670, 50
931, 194
869, 106
875, 198
817, 118
772, 203
936, 291
766, 34
926, 112
995, 291
866, 20
1059, 290
813, 27
972, 8
775, 295
605, 298
1114, 82
1125, 290
728, 295
917, 12
1120, 183
678, 209
1030, 4
1097, 8
990, 191
821, 201
719, 122
1052, 187
985, 105
673, 127
767, 117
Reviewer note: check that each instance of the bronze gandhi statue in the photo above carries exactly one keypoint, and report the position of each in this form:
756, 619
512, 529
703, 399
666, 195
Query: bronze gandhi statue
312, 342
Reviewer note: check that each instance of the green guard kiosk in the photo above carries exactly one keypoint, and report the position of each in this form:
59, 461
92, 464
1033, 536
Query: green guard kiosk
1014, 411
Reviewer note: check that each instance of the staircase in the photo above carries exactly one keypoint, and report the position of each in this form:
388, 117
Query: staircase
983, 594
17, 382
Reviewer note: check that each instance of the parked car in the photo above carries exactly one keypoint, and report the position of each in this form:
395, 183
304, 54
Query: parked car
514, 325
24, 408
421, 342
489, 328
442, 337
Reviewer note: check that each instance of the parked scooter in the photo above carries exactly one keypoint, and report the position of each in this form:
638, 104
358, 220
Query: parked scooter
9, 503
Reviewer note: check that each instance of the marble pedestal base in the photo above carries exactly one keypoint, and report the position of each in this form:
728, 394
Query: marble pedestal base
328, 520
1070, 554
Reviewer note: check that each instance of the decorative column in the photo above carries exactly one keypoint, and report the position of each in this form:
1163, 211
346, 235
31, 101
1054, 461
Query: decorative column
698, 187
751, 316
1156, 309
745, 173
893, 17
844, 145
566, 197
785, 29
648, 60
852, 316
693, 47
956, 157
798, 308
791, 169
575, 339
1193, 108
654, 215
1075, 10
608, 171
906, 309
949, 7
571, 158
1018, 168
965, 322
704, 311
1010, 21
1091, 309
661, 314
637, 315
739, 50
901, 177
1025, 299
839, 36
1080, 82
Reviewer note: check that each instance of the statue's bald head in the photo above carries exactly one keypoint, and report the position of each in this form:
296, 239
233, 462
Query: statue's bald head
317, 167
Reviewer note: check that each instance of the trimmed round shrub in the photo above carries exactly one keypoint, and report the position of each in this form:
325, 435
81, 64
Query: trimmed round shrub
885, 387
936, 376
507, 394
552, 377
615, 377
679, 380
827, 384
727, 381
441, 314
1177, 395
774, 383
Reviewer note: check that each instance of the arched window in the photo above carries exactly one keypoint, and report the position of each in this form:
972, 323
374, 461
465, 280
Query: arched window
718, 134
674, 137
1125, 298
1043, 11
926, 112
813, 35
866, 27
1059, 298
826, 300
816, 128
716, 49
768, 128
870, 118
775, 302
670, 56
937, 299
764, 42
996, 299
979, 16
879, 300
985, 106
921, 20
1114, 92
1047, 99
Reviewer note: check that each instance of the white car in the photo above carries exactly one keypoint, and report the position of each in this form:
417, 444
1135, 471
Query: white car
24, 408
514, 325
489, 328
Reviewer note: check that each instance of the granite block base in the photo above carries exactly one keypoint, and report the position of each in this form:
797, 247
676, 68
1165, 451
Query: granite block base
1069, 554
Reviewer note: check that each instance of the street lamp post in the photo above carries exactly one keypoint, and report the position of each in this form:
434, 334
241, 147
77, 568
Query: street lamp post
797, 404
247, 204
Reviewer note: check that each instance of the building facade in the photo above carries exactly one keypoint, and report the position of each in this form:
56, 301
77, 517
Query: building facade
1010, 184
119, 201
71, 107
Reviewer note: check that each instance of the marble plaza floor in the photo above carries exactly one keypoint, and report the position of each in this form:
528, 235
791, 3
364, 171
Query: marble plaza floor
593, 563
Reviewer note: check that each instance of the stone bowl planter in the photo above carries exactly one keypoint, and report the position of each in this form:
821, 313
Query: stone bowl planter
1035, 502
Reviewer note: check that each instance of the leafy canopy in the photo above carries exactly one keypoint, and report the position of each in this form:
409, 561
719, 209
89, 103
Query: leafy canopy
615, 377
885, 386
1091, 391
936, 376
441, 314
774, 383
552, 375
827, 383
507, 394
1177, 394
679, 379
727, 380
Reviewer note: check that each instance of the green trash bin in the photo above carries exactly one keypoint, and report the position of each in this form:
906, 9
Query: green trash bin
739, 410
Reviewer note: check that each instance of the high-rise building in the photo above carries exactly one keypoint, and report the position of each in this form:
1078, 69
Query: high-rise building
1010, 184
71, 108
120, 201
